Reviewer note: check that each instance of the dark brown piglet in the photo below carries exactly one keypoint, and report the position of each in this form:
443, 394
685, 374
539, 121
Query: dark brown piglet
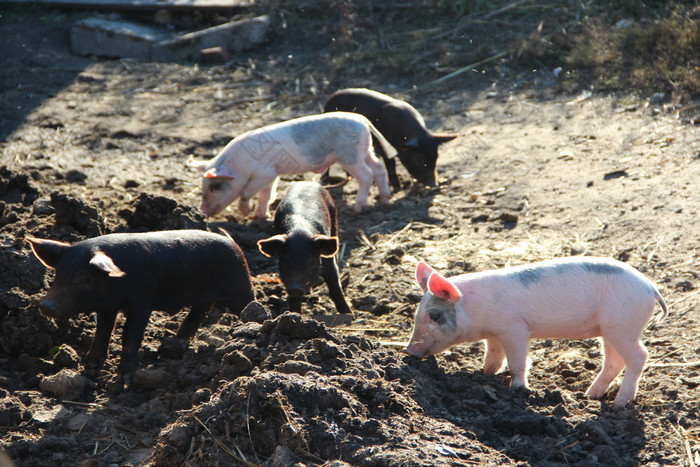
136, 273
306, 243
401, 125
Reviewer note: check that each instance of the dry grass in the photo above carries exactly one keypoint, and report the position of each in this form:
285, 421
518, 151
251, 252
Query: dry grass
653, 49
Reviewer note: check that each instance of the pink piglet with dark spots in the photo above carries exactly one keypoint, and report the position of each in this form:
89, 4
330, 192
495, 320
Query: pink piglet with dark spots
574, 298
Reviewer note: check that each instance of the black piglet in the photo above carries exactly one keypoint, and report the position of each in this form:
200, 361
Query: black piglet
306, 243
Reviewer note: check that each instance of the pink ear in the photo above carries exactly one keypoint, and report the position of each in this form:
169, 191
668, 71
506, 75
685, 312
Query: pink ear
423, 272
444, 137
443, 289
199, 165
220, 172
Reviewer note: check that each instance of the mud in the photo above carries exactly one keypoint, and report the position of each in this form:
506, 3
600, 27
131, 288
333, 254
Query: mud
527, 179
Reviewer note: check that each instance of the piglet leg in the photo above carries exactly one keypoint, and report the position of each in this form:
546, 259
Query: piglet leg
493, 360
132, 336
391, 172
335, 291
635, 356
266, 196
379, 176
194, 318
100, 343
612, 365
516, 347
263, 185
244, 206
363, 175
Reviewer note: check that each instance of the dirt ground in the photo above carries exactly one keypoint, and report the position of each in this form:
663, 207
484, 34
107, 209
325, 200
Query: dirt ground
91, 146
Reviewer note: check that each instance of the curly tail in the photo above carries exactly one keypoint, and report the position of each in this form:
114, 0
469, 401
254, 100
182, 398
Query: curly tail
660, 317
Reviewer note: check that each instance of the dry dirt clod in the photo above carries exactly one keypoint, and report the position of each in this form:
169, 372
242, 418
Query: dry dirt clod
66, 384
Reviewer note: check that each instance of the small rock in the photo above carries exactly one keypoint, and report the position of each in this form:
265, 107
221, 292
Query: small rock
282, 457
394, 256
615, 174
212, 340
256, 312
238, 360
12, 411
659, 98
77, 422
42, 414
299, 367
364, 303
66, 357
479, 218
172, 347
137, 457
685, 285
42, 207
75, 176
508, 218
566, 155
331, 321
66, 384
624, 23
201, 395
150, 378
177, 436
596, 432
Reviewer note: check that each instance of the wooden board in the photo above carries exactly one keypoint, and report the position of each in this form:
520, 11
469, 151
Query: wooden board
139, 4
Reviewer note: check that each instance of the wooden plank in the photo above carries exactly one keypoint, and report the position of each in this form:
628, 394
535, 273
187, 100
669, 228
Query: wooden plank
140, 4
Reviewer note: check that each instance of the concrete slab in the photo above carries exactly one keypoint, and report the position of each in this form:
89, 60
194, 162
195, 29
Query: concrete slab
124, 39
142, 5
233, 37
105, 38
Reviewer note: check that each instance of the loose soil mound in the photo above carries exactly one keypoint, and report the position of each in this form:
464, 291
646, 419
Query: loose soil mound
533, 175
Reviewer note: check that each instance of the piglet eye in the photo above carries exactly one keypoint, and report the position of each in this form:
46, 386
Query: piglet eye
436, 316
215, 187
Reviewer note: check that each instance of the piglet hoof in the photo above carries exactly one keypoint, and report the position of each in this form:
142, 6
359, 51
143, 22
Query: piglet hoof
128, 378
595, 393
127, 373
620, 402
519, 384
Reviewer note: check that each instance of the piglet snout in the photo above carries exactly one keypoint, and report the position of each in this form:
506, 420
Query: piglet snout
430, 182
412, 351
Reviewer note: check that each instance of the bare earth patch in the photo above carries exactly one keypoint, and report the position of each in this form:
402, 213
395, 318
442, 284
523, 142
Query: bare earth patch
92, 147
